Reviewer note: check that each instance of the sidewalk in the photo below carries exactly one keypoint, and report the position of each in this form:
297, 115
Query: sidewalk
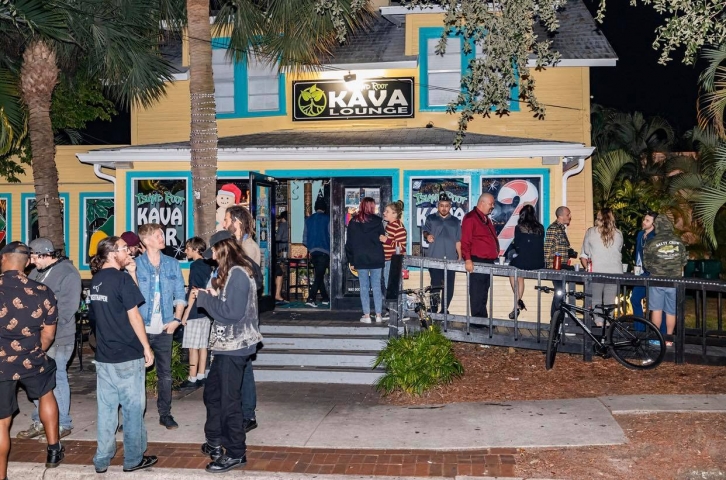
337, 429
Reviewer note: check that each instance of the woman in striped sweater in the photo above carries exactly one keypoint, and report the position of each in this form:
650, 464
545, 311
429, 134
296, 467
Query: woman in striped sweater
395, 237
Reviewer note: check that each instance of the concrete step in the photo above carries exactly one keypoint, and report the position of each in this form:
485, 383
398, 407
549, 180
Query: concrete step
324, 342
350, 376
315, 358
373, 329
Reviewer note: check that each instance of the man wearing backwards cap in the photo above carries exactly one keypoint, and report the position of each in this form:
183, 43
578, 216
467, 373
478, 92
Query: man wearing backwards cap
64, 280
28, 317
133, 241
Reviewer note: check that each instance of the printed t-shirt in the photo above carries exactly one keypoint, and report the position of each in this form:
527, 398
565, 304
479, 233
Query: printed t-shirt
25, 307
113, 294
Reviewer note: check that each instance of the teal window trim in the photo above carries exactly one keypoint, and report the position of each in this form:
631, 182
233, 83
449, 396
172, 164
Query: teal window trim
427, 33
24, 212
8, 216
82, 197
131, 177
241, 89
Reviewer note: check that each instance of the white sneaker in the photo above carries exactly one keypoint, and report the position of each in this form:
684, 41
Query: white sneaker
379, 319
311, 303
366, 319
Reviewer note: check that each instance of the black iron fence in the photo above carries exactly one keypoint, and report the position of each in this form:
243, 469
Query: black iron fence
699, 335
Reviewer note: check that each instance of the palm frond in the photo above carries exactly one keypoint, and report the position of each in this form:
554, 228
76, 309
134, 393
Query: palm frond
607, 169
713, 81
708, 202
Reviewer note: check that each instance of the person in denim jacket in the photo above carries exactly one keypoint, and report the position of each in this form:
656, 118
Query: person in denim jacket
160, 280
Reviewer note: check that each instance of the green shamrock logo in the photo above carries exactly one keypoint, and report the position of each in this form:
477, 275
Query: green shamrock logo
312, 101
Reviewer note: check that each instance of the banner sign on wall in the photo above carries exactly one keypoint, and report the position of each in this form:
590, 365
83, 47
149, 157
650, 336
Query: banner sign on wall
511, 194
340, 100
30, 221
163, 202
98, 223
424, 201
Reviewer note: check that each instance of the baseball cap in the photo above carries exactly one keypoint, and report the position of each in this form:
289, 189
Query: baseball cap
130, 238
215, 239
42, 246
16, 247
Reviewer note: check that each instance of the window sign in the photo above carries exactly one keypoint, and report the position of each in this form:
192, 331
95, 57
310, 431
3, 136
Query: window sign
4, 210
511, 194
163, 202
97, 219
31, 229
425, 198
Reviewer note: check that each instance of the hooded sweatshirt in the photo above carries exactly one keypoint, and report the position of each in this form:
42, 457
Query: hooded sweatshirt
63, 279
363, 245
665, 254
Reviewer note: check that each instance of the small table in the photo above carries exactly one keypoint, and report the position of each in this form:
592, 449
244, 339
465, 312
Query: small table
301, 287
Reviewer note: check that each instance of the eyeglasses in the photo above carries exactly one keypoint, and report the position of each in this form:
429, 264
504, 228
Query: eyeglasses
122, 248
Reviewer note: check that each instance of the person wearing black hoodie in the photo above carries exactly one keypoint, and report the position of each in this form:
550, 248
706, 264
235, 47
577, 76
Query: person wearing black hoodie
364, 250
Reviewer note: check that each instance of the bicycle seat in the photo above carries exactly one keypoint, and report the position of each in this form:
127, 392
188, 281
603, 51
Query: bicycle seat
607, 308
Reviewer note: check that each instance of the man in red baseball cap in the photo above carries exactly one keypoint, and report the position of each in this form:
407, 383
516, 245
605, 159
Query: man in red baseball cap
136, 246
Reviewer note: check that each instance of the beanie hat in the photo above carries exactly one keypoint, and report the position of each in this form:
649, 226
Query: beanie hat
232, 190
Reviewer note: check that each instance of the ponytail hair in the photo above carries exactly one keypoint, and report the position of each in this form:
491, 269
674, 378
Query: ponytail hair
104, 249
397, 207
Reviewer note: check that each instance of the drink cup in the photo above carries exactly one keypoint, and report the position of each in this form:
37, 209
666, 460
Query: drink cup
577, 267
638, 270
625, 268
557, 262
501, 260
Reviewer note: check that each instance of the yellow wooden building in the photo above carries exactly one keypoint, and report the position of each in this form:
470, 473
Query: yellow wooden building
384, 133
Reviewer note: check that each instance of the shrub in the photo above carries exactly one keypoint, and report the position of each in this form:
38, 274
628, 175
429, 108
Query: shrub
418, 362
179, 370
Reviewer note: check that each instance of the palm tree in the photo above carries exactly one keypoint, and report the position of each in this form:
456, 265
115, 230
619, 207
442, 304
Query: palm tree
117, 46
293, 34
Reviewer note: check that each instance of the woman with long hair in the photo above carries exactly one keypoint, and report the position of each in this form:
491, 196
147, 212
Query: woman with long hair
528, 244
232, 303
364, 250
602, 248
394, 240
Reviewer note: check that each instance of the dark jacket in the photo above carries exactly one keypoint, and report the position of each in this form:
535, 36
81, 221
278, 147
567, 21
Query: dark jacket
640, 241
529, 248
316, 233
665, 254
363, 246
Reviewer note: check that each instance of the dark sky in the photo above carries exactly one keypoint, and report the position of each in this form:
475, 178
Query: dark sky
638, 82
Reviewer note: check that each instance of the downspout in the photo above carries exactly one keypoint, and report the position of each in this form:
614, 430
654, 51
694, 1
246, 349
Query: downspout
109, 178
565, 176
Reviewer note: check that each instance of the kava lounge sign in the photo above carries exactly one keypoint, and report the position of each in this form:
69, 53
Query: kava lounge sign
339, 100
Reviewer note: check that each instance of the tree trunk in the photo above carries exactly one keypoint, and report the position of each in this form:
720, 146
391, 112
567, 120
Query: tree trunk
38, 78
203, 135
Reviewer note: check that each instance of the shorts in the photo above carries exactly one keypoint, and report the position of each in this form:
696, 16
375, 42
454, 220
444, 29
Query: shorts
35, 386
662, 298
196, 333
278, 270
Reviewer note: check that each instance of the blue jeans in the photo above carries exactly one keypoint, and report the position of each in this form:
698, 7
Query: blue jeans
368, 277
62, 355
121, 384
249, 392
386, 273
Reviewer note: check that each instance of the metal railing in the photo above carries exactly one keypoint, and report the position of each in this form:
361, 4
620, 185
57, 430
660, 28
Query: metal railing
533, 334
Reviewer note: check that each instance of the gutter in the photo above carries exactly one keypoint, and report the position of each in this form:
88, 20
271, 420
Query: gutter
569, 173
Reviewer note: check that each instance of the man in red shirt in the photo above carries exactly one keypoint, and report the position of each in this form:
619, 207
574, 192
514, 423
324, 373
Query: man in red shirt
479, 243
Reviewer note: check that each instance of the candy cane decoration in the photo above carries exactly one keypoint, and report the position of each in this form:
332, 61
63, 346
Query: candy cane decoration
528, 195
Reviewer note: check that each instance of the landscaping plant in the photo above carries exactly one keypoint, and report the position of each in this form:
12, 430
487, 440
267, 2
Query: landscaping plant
418, 362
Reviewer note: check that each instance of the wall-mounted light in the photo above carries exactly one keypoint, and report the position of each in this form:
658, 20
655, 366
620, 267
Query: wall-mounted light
349, 78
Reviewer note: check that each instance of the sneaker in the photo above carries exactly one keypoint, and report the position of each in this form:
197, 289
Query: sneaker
250, 424
189, 384
35, 430
146, 462
54, 457
225, 464
325, 302
168, 422
309, 303
386, 316
62, 433
379, 319
366, 319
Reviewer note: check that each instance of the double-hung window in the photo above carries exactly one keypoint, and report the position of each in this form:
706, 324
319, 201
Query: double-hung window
441, 75
252, 88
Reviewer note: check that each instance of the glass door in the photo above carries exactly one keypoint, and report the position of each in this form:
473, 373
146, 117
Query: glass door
262, 208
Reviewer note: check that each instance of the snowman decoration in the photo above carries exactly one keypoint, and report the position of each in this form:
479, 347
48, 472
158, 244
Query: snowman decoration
228, 194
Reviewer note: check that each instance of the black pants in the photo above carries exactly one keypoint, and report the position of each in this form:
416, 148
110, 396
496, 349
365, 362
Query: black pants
320, 263
437, 280
225, 423
479, 290
161, 346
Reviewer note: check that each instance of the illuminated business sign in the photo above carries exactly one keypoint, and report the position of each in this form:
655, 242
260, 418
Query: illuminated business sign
340, 100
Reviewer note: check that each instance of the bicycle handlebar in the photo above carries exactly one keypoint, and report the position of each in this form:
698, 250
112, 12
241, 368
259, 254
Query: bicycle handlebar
577, 295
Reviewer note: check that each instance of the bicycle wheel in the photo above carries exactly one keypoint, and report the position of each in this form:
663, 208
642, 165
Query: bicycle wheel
553, 341
636, 343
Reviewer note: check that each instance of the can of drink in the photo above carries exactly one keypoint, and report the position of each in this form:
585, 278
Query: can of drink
557, 262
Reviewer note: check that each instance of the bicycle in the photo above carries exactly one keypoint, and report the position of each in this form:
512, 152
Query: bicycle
633, 341
423, 301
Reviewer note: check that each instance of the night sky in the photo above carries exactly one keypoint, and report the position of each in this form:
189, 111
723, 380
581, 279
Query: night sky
637, 83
